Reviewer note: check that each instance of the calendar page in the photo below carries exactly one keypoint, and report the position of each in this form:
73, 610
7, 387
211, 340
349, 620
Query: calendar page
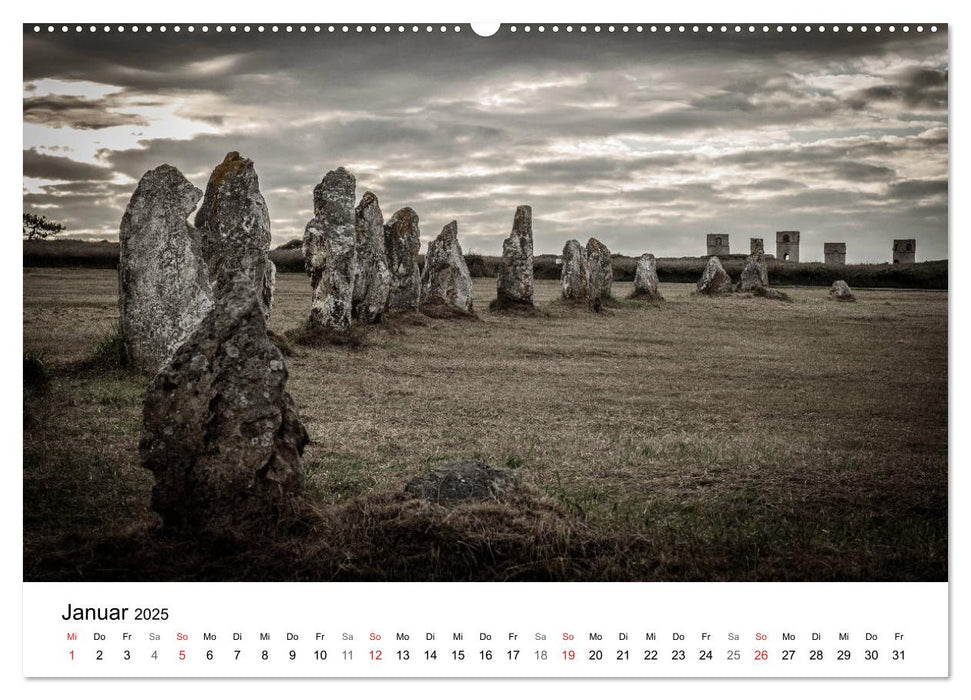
517, 350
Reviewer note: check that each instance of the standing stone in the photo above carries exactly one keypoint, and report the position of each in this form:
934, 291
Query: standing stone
575, 275
840, 291
714, 280
373, 281
164, 289
756, 271
402, 241
445, 280
220, 432
601, 269
515, 284
330, 252
755, 274
235, 227
646, 284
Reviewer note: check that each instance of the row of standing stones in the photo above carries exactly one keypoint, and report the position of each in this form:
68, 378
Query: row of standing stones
221, 434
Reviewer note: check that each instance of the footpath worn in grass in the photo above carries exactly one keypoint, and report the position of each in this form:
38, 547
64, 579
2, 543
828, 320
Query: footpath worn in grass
697, 439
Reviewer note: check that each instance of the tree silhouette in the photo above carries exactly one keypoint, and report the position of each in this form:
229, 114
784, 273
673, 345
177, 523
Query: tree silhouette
40, 226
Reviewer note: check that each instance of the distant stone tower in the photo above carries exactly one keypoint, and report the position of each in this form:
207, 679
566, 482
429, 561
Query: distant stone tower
834, 253
718, 244
787, 246
757, 246
904, 250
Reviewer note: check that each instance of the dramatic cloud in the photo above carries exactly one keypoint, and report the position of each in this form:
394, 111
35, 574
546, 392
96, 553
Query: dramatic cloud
646, 141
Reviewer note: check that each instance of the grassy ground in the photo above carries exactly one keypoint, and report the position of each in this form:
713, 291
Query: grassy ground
699, 439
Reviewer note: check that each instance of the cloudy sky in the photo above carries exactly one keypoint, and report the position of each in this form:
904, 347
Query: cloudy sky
645, 141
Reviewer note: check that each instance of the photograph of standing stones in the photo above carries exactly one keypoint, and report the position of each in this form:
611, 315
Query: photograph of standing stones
412, 304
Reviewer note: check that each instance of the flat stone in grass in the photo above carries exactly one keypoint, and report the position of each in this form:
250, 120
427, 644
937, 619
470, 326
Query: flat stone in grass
714, 280
465, 480
840, 291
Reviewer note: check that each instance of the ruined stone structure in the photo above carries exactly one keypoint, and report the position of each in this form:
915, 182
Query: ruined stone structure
373, 281
402, 242
445, 280
163, 282
645, 279
714, 280
787, 246
718, 244
601, 269
220, 432
330, 252
904, 250
235, 227
515, 283
834, 253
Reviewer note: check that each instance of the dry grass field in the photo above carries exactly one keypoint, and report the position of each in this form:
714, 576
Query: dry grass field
700, 439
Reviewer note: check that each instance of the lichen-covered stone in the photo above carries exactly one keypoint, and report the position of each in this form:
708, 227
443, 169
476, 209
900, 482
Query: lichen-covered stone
402, 242
840, 291
575, 273
235, 227
163, 281
373, 280
714, 280
445, 279
755, 274
220, 432
601, 269
757, 246
455, 482
515, 283
646, 285
330, 252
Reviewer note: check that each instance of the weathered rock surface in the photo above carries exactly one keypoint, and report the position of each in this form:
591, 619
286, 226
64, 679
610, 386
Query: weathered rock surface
235, 227
575, 274
402, 242
455, 482
163, 280
646, 285
755, 273
601, 269
330, 251
757, 246
840, 291
373, 281
445, 279
220, 432
714, 280
515, 283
